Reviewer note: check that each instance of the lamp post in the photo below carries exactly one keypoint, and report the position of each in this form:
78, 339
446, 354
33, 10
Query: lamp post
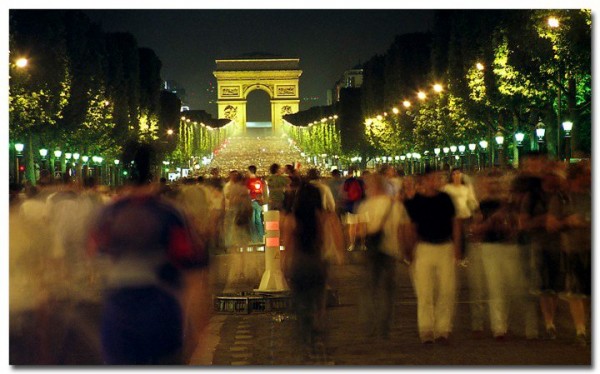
483, 145
416, 162
57, 154
461, 149
84, 167
68, 157
567, 126
453, 151
500, 141
519, 136
446, 150
540, 131
472, 147
166, 169
408, 158
554, 23
77, 165
116, 172
19, 149
43, 153
437, 155
99, 160
95, 169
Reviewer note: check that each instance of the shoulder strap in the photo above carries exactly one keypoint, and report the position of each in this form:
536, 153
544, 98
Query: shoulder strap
386, 214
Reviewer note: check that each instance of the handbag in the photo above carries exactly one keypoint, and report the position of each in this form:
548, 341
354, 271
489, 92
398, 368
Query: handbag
373, 241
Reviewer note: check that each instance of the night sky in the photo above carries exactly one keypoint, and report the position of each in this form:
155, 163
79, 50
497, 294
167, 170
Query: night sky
326, 41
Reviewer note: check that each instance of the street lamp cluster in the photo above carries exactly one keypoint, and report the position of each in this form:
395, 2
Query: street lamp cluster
71, 165
421, 95
323, 120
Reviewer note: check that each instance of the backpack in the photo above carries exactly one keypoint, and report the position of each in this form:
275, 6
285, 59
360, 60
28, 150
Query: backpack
354, 190
255, 186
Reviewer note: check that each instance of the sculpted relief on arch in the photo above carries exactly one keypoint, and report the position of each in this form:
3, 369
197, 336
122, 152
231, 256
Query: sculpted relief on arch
230, 112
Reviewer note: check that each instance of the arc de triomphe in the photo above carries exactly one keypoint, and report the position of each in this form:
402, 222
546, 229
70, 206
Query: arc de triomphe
278, 77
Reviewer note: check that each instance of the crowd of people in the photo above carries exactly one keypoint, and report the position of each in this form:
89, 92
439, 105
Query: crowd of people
524, 237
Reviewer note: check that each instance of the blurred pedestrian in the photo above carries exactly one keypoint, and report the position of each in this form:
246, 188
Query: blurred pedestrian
150, 242
335, 184
409, 188
526, 190
384, 216
237, 222
540, 212
465, 203
393, 184
256, 186
494, 231
435, 236
304, 265
213, 188
277, 183
576, 247
290, 191
353, 193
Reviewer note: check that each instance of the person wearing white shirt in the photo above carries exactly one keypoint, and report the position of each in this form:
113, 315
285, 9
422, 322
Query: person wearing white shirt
383, 219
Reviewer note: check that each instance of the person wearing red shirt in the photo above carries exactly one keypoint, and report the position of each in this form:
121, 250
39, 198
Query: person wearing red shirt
256, 188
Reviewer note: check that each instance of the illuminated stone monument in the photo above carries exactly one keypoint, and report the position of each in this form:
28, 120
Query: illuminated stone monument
278, 77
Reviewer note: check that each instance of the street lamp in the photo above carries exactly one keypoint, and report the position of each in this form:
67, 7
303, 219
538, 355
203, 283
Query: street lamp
43, 153
453, 151
417, 159
115, 177
409, 161
472, 147
567, 126
483, 145
19, 148
554, 23
500, 141
519, 136
22, 62
461, 149
57, 154
437, 155
446, 150
540, 131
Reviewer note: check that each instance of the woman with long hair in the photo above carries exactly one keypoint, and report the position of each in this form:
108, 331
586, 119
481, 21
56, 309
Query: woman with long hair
304, 266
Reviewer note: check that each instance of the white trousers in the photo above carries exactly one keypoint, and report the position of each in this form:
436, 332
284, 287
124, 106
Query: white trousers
435, 286
505, 281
